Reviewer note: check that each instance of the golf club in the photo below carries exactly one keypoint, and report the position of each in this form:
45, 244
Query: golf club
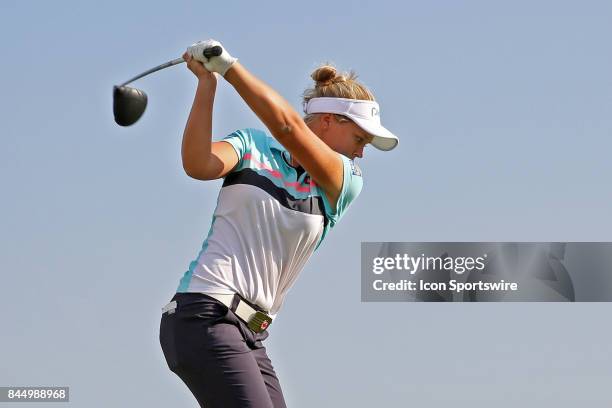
130, 103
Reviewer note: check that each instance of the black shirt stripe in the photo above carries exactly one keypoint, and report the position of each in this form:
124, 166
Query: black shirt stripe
310, 205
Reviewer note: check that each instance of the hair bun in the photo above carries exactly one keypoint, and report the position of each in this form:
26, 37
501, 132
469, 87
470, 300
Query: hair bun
331, 84
326, 75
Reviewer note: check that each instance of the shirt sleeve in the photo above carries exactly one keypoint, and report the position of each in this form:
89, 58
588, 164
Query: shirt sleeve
241, 141
351, 187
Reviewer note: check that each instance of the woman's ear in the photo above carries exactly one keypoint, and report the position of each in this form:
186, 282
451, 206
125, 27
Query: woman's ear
325, 120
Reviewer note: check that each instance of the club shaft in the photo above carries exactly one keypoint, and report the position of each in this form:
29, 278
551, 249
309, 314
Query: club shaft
157, 68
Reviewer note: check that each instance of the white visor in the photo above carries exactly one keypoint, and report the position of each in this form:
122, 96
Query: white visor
365, 114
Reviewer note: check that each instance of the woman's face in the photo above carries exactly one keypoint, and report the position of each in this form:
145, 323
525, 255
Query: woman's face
344, 137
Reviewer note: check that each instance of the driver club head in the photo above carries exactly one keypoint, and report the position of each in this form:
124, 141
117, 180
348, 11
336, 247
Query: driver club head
128, 104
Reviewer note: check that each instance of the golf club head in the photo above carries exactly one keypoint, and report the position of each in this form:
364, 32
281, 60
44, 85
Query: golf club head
128, 105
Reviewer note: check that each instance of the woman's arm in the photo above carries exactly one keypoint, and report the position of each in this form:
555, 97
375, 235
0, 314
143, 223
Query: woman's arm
287, 126
202, 158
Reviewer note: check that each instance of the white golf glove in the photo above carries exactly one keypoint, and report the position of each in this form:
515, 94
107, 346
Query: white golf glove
218, 64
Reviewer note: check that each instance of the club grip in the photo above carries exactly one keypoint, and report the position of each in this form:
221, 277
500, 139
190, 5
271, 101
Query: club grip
213, 51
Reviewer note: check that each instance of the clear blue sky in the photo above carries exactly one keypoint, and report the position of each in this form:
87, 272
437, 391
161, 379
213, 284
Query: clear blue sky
503, 111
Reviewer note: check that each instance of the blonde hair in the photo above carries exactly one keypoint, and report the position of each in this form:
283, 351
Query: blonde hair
330, 83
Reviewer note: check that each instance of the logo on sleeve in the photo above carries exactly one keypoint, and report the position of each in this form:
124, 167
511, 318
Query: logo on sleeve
355, 169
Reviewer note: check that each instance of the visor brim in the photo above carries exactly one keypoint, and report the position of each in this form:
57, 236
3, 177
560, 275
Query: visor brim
383, 139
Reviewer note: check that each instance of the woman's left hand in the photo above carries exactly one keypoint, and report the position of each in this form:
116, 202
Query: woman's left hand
198, 69
220, 63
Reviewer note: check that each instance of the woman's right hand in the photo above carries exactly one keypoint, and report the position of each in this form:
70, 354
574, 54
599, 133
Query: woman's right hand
199, 70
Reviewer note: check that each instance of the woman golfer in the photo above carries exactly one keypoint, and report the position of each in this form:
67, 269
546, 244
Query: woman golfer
284, 188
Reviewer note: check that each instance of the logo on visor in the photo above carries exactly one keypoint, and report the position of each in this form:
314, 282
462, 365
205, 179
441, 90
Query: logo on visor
375, 111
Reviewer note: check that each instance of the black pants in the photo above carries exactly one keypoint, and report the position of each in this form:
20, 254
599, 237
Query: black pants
222, 362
